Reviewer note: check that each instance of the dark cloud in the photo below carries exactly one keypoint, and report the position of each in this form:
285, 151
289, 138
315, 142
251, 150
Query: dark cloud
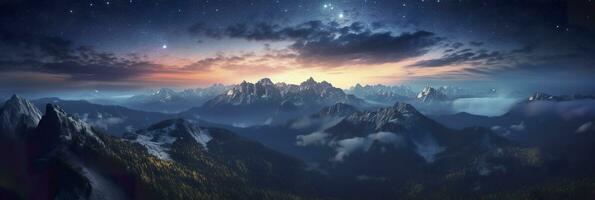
475, 43
208, 63
465, 56
456, 45
331, 44
365, 47
55, 55
244, 63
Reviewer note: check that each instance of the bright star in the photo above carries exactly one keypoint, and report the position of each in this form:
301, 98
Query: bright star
164, 46
341, 15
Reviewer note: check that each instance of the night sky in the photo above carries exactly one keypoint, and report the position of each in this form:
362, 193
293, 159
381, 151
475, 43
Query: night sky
54, 46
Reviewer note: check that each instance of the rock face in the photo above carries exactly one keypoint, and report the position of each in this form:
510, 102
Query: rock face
399, 118
17, 116
245, 93
57, 129
431, 95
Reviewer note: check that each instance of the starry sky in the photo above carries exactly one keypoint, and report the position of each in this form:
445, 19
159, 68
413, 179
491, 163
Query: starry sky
123, 45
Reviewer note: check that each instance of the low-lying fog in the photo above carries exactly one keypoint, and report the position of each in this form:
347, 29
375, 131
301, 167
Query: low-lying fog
486, 106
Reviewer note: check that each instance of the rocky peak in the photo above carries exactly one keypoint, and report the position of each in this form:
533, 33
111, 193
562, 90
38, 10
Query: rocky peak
57, 130
65, 126
430, 95
402, 114
18, 113
310, 81
265, 81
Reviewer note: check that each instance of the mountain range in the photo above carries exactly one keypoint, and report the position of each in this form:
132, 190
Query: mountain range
320, 143
111, 119
169, 101
264, 102
65, 158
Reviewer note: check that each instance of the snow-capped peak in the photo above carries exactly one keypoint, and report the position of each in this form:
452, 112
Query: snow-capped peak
18, 113
429, 95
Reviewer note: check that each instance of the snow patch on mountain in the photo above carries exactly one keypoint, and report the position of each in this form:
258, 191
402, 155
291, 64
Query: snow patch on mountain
156, 147
201, 136
159, 138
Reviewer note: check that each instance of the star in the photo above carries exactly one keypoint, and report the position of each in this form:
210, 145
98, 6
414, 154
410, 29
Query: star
164, 46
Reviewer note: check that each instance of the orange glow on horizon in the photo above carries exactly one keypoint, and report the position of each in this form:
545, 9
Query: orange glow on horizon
252, 68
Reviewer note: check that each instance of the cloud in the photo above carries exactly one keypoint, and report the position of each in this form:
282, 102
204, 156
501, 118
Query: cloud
365, 48
346, 147
518, 127
486, 106
245, 63
331, 44
316, 138
318, 123
465, 56
427, 148
103, 121
364, 177
55, 55
567, 110
584, 127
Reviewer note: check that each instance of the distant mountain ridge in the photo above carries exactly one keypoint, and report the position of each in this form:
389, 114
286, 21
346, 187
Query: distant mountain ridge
264, 91
264, 102
381, 93
112, 119
169, 101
